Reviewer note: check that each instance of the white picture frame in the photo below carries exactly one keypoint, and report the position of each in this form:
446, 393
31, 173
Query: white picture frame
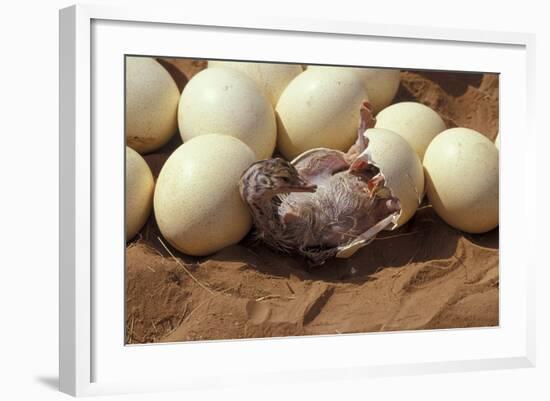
93, 358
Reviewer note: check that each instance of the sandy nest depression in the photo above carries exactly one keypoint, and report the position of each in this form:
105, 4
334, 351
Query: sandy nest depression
425, 275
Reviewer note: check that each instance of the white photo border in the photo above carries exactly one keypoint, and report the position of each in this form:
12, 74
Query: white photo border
93, 358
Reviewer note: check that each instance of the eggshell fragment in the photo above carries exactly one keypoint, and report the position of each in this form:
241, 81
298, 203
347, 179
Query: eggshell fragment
139, 192
381, 83
228, 102
416, 123
151, 104
403, 175
271, 78
462, 178
197, 203
319, 109
401, 168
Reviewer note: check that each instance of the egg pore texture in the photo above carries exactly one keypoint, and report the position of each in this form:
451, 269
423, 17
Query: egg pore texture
151, 104
271, 78
139, 192
228, 102
462, 178
319, 109
416, 123
401, 168
197, 203
381, 83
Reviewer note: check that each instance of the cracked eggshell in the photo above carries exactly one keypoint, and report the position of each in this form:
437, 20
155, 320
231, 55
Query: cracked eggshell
462, 178
271, 78
151, 104
228, 102
139, 192
381, 83
319, 109
197, 203
400, 166
416, 123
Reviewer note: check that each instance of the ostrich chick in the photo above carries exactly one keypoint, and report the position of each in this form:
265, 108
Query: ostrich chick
323, 204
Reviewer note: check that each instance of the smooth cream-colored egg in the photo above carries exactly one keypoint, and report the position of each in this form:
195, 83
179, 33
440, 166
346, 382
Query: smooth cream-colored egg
151, 104
462, 179
197, 203
139, 192
497, 141
228, 102
271, 78
415, 122
381, 83
319, 109
401, 168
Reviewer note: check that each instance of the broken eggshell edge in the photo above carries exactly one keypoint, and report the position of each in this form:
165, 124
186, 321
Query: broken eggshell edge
401, 168
407, 187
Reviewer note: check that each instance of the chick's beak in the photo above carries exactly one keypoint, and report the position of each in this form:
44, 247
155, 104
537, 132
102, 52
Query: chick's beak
299, 186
